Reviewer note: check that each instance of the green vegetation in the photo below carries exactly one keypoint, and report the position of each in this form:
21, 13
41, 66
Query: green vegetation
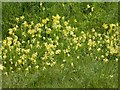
60, 45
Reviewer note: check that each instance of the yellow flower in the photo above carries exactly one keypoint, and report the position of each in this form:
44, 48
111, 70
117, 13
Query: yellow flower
58, 17
48, 31
98, 49
105, 26
20, 61
25, 23
102, 56
75, 20
65, 23
37, 67
64, 61
92, 9
17, 19
44, 68
78, 57
10, 31
112, 26
57, 51
88, 6
72, 64
62, 65
93, 30
27, 69
22, 17
63, 18
111, 76
116, 59
105, 60
19, 69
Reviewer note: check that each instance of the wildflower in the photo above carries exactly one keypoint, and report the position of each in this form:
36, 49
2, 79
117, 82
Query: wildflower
102, 56
19, 61
37, 67
43, 8
62, 65
44, 68
10, 31
48, 31
22, 17
112, 26
25, 24
19, 69
111, 76
57, 51
64, 61
27, 69
65, 23
93, 30
98, 49
105, 60
88, 6
72, 64
11, 68
75, 20
63, 18
41, 4
116, 59
4, 56
105, 26
17, 19
47, 63
78, 57
92, 9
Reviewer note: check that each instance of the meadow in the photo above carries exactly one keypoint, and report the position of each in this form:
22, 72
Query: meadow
60, 45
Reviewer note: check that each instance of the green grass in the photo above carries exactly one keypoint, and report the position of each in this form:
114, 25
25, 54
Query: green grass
87, 71
93, 74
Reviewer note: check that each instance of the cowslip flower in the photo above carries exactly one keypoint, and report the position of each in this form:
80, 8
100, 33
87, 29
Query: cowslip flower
105, 26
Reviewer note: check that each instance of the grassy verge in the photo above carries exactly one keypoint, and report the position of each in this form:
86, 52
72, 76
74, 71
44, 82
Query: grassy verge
60, 45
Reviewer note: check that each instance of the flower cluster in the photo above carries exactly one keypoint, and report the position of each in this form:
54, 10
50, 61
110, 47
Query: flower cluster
49, 42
